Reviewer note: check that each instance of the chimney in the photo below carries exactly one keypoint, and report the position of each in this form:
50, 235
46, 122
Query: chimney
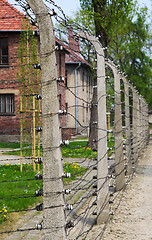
73, 41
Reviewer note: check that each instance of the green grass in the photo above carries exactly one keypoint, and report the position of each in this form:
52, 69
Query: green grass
27, 151
75, 149
75, 169
18, 195
78, 149
10, 191
9, 145
81, 138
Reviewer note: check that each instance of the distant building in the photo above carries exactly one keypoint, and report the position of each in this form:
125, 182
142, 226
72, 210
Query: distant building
79, 89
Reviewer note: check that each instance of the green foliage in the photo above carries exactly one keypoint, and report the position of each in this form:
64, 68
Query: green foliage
107, 15
28, 79
123, 28
85, 21
131, 52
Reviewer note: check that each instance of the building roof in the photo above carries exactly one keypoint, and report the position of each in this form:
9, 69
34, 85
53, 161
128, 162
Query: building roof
10, 17
73, 57
11, 20
60, 43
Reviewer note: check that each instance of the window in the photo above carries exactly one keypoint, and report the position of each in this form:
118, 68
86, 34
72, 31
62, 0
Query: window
60, 60
87, 83
4, 51
66, 107
60, 101
83, 109
82, 81
6, 103
66, 78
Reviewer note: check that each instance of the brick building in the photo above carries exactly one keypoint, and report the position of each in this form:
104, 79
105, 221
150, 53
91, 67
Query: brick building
10, 29
70, 66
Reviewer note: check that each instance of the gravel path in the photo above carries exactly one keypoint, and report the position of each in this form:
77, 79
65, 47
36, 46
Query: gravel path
133, 218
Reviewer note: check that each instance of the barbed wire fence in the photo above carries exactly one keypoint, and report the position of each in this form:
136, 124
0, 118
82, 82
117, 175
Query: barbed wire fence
71, 210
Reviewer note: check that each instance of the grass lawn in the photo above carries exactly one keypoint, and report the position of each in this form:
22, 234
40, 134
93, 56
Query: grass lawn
75, 169
17, 195
75, 149
9, 145
78, 149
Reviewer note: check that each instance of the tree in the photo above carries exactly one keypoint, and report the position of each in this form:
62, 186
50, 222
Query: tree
122, 27
131, 51
106, 15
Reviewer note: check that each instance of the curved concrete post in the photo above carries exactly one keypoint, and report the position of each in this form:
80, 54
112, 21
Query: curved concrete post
127, 124
53, 201
102, 174
145, 122
140, 124
119, 156
142, 116
135, 125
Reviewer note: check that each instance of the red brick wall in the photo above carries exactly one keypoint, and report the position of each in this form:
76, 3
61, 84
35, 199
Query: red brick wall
67, 133
10, 124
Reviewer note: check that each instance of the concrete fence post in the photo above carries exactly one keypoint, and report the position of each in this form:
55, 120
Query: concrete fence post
135, 126
102, 174
127, 125
146, 122
140, 124
53, 201
143, 113
118, 132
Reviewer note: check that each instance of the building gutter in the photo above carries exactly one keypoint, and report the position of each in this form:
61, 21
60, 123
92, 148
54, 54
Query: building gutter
76, 104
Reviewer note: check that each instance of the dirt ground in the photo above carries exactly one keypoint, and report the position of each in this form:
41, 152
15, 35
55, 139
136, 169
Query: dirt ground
133, 218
